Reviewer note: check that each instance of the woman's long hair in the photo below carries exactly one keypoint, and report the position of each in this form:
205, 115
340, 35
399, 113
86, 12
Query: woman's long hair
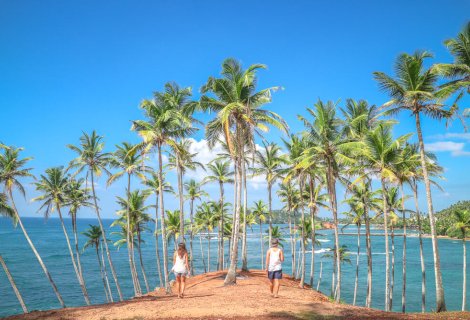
182, 250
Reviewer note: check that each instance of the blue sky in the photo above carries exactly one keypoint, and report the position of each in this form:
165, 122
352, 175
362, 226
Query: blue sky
73, 66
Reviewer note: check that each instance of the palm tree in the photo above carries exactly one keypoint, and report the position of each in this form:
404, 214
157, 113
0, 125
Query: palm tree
206, 215
343, 256
356, 216
94, 239
414, 90
239, 117
12, 168
327, 147
94, 160
381, 153
181, 159
53, 186
193, 192
169, 117
77, 196
129, 161
220, 172
260, 211
459, 71
133, 213
173, 223
7, 211
365, 200
462, 224
153, 183
275, 234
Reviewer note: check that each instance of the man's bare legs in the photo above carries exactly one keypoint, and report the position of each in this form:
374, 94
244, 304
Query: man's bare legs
275, 290
271, 286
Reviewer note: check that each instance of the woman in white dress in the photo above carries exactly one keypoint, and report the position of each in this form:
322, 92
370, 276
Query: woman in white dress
181, 268
274, 260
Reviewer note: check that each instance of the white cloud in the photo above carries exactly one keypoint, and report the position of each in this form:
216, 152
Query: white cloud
456, 149
452, 135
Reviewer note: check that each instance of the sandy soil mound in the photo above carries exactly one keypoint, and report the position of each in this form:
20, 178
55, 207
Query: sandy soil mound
207, 298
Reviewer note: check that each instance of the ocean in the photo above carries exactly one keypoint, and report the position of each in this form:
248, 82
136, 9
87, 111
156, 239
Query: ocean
49, 239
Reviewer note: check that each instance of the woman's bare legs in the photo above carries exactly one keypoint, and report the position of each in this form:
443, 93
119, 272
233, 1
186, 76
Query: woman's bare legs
178, 281
183, 285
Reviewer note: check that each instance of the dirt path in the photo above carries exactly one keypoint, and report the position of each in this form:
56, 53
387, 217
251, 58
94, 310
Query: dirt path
207, 298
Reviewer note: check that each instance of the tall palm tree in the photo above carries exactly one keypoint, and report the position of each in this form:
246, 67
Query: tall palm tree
53, 186
414, 89
7, 211
153, 184
94, 239
182, 159
382, 153
364, 199
133, 213
129, 162
260, 211
169, 117
327, 147
92, 158
462, 224
459, 71
193, 193
205, 216
12, 168
220, 172
343, 257
77, 196
239, 116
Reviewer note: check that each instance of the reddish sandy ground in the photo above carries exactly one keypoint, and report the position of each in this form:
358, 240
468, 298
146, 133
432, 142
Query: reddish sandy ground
207, 298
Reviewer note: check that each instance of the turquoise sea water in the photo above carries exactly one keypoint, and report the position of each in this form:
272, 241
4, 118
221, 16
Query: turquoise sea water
50, 242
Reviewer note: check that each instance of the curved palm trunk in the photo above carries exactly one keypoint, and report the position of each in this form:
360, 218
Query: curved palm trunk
157, 250
319, 276
130, 243
414, 186
387, 256
270, 213
220, 263
392, 280
101, 273
464, 283
33, 248
202, 253
105, 273
332, 192
191, 234
208, 252
357, 262
231, 277
312, 236
77, 273
369, 259
261, 242
403, 289
13, 285
77, 251
302, 236
292, 243
440, 299
103, 232
162, 221
180, 192
245, 199
142, 268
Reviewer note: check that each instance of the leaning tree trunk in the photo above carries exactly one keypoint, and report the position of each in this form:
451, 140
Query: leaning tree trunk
220, 263
403, 288
180, 192
292, 243
392, 281
101, 273
202, 253
103, 232
130, 243
369, 258
231, 277
270, 213
332, 191
33, 248
77, 251
162, 221
191, 234
414, 186
208, 251
387, 256
157, 250
142, 268
464, 283
105, 273
77, 273
313, 209
261, 241
440, 299
245, 199
319, 276
302, 235
13, 285
357, 262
